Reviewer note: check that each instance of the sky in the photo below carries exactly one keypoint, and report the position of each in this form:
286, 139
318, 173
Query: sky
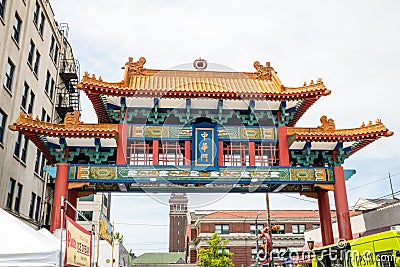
352, 45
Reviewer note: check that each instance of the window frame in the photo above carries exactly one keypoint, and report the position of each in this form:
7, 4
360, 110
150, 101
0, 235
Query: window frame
38, 208
37, 62
18, 196
24, 150
298, 231
259, 227
10, 193
31, 102
31, 53
2, 8
222, 229
32, 205
17, 147
10, 69
17, 28
36, 13
24, 99
3, 119
42, 22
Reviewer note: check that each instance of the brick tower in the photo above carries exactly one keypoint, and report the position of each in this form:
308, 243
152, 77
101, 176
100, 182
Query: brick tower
177, 222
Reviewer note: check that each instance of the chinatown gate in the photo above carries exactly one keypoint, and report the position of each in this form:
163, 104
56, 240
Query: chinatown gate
200, 131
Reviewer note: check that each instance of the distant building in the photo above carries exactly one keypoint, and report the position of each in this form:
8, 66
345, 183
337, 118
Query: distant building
240, 228
177, 222
370, 221
120, 255
38, 77
90, 206
159, 259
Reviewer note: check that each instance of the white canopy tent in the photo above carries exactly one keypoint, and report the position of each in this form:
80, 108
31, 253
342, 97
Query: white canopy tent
22, 245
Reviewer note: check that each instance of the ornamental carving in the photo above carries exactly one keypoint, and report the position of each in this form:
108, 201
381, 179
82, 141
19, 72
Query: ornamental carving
133, 68
327, 125
72, 119
264, 73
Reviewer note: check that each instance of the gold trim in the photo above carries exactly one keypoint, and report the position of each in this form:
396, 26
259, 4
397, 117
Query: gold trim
77, 185
328, 129
71, 124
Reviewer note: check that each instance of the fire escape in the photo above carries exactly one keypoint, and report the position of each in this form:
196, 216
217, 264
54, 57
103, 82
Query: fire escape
68, 93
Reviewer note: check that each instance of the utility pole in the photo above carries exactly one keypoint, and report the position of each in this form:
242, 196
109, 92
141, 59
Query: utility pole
391, 186
271, 257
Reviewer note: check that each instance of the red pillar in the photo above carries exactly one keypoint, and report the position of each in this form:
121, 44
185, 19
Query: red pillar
61, 189
283, 146
155, 152
122, 143
220, 153
73, 199
342, 206
325, 218
252, 154
187, 153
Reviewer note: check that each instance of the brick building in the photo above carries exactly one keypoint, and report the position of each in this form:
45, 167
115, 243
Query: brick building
240, 226
177, 222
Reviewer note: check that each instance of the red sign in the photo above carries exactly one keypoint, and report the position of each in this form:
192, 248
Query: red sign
78, 250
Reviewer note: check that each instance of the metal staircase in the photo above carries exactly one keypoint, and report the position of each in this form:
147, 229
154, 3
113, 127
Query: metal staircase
68, 94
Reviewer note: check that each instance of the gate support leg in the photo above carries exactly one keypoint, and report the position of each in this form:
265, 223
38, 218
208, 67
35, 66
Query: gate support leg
61, 189
325, 217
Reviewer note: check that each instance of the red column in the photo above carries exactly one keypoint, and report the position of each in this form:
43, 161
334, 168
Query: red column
252, 154
61, 189
342, 206
325, 218
283, 146
155, 152
73, 199
187, 152
220, 153
122, 143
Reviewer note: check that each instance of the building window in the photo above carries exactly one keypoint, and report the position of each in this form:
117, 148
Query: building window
41, 26
87, 213
43, 117
2, 8
140, 152
36, 14
105, 201
52, 44
171, 153
38, 206
236, 154
48, 214
253, 228
18, 195
31, 53
37, 61
24, 149
17, 146
3, 118
87, 198
10, 194
222, 229
25, 96
32, 205
266, 154
298, 228
31, 102
314, 226
17, 28
55, 56
52, 88
281, 229
37, 162
47, 84
9, 75
41, 166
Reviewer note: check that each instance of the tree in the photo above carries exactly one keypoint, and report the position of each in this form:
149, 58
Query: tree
216, 255
118, 236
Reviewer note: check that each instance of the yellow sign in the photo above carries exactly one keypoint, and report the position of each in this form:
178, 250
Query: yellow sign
106, 229
78, 251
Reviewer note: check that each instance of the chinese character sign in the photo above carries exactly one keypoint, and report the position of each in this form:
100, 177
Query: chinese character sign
78, 251
205, 150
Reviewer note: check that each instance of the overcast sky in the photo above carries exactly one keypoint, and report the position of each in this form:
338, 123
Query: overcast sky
353, 45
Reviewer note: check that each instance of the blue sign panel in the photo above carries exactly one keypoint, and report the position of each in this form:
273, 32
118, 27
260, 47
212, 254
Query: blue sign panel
205, 149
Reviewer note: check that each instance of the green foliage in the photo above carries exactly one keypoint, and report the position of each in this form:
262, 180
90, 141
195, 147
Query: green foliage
216, 255
118, 236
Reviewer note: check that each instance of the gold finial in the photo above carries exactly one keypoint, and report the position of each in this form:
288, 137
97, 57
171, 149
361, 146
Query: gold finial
305, 84
327, 125
319, 80
133, 68
263, 73
87, 74
311, 82
94, 76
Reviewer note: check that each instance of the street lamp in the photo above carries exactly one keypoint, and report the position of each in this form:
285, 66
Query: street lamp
256, 231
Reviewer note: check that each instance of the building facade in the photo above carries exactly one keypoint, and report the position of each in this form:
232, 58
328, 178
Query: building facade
90, 207
34, 56
177, 222
240, 226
